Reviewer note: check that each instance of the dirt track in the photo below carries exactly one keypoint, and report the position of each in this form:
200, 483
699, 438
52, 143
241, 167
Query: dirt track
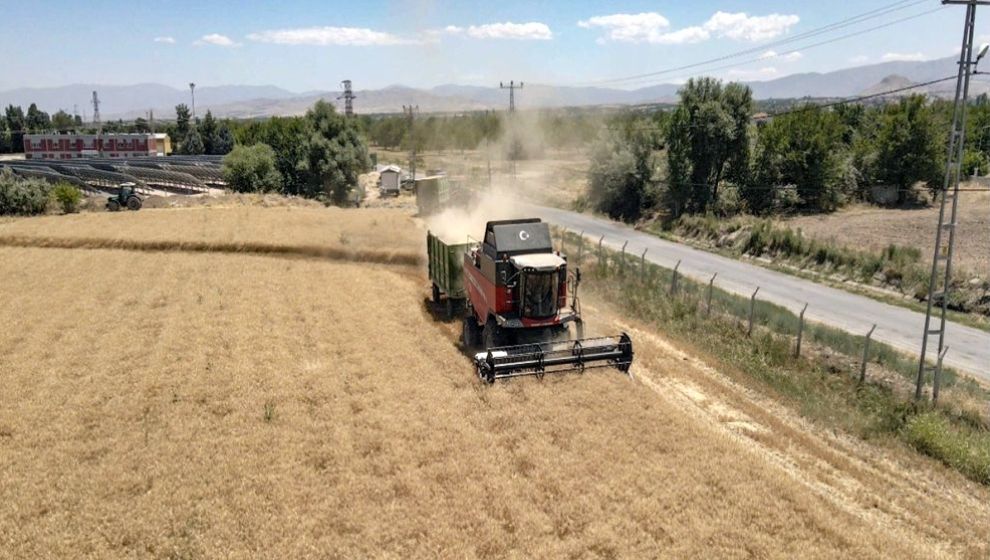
242, 405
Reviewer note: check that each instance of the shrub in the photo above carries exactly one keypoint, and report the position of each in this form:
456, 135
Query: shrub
252, 169
23, 197
67, 197
965, 450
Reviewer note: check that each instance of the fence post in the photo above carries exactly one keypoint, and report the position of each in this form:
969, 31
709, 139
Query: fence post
580, 258
642, 265
866, 354
938, 376
563, 241
708, 298
673, 278
600, 250
622, 263
797, 348
752, 308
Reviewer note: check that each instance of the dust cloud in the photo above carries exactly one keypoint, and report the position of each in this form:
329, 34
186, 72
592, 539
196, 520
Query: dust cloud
522, 140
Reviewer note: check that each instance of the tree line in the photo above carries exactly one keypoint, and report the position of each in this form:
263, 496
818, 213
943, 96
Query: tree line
200, 136
319, 155
711, 154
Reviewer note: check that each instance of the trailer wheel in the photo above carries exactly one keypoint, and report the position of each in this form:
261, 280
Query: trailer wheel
436, 294
450, 307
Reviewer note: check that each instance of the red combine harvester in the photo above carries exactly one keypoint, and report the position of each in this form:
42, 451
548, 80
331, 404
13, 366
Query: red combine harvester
520, 302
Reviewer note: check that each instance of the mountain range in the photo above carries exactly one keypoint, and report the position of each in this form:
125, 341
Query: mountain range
131, 101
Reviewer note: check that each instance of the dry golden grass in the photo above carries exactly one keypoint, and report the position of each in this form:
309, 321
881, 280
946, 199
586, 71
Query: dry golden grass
185, 405
874, 228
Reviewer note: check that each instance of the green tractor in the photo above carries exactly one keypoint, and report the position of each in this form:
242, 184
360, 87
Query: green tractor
125, 197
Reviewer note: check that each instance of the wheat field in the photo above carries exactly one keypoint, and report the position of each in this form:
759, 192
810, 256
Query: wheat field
170, 403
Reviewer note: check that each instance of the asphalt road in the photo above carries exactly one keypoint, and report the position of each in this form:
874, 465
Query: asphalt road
969, 348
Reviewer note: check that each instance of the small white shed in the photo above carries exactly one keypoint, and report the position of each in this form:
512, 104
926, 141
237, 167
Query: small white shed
389, 180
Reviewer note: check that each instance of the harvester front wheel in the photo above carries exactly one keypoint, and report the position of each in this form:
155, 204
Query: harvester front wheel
470, 333
492, 335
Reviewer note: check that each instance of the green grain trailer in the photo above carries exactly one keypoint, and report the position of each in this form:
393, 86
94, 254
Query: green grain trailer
432, 194
446, 264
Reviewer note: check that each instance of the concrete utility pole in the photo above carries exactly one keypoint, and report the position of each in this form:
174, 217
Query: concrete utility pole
939, 283
512, 87
192, 93
410, 113
348, 97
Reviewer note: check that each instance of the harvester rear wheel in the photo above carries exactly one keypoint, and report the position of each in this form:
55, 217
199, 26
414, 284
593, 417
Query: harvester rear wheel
113, 205
134, 203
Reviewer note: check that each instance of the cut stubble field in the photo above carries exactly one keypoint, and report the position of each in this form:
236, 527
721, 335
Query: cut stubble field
178, 404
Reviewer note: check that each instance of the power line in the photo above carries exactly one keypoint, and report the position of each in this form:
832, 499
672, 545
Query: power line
852, 20
860, 98
815, 45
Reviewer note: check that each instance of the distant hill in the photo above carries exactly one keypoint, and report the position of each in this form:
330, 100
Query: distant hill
890, 83
257, 101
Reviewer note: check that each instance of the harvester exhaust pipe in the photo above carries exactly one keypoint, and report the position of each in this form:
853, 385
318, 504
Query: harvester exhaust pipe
554, 357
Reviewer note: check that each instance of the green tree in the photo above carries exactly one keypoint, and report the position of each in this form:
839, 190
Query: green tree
5, 138
62, 121
141, 125
285, 135
192, 144
252, 169
621, 178
16, 123
223, 140
711, 129
208, 131
800, 150
182, 116
38, 120
67, 197
333, 154
909, 146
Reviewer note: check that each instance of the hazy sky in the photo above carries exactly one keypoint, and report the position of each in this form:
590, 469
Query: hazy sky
313, 44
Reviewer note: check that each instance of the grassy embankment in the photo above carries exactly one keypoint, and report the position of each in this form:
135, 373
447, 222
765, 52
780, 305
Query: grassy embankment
822, 384
896, 274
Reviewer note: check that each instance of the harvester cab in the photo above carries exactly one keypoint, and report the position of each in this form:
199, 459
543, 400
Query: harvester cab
521, 299
126, 197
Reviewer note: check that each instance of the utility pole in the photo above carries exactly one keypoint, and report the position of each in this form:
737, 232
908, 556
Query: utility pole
410, 113
151, 120
192, 93
348, 97
939, 283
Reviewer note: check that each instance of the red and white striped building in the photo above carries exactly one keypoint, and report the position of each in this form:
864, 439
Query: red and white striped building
71, 146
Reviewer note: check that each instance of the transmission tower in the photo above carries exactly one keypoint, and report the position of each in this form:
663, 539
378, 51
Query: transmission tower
348, 97
410, 113
939, 283
512, 87
96, 110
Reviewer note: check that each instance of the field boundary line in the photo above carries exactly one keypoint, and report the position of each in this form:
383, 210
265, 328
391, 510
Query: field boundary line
249, 248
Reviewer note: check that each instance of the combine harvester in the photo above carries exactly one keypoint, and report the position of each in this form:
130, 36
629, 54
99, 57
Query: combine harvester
519, 301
